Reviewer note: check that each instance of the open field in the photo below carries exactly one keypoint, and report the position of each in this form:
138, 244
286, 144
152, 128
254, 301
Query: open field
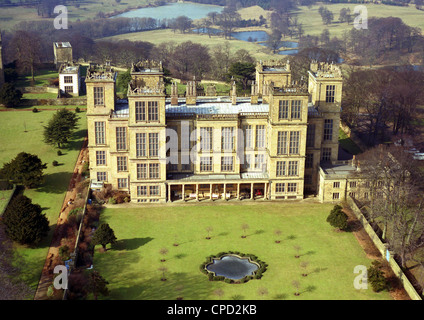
160, 36
313, 25
131, 266
23, 131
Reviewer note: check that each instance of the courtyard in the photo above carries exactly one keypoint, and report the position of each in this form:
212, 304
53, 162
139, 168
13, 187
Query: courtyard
178, 233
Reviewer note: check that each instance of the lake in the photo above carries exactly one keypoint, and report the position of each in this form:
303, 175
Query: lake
173, 10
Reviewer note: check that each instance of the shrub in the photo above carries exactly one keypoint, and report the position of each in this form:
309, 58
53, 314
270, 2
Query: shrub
55, 163
64, 252
112, 201
337, 218
34, 110
376, 277
59, 153
77, 110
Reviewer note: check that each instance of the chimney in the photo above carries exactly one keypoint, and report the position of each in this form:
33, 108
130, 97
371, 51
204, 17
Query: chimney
174, 94
234, 93
191, 93
254, 97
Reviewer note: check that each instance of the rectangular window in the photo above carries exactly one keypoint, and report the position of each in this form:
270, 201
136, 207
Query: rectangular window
227, 138
141, 171
352, 184
259, 161
154, 170
310, 136
280, 187
205, 164
296, 109
101, 158
293, 168
352, 194
140, 111
366, 195
140, 144
309, 161
153, 111
99, 132
330, 93
336, 196
206, 139
154, 190
227, 164
283, 111
326, 154
122, 183
153, 144
294, 142
260, 136
282, 142
99, 96
67, 79
281, 169
141, 191
121, 138
69, 89
248, 136
292, 187
336, 184
101, 176
122, 164
186, 167
328, 129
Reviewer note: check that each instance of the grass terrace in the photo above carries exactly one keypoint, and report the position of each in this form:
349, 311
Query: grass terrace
133, 264
23, 131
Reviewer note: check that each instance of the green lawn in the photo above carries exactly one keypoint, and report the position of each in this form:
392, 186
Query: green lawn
131, 266
23, 131
41, 78
312, 22
348, 144
44, 95
160, 36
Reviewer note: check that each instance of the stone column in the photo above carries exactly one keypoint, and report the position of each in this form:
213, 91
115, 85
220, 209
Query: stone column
238, 191
225, 191
265, 191
210, 193
251, 191
169, 193
183, 193
197, 192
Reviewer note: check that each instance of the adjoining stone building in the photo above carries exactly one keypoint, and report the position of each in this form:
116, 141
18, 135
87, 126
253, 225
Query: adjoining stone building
62, 52
162, 148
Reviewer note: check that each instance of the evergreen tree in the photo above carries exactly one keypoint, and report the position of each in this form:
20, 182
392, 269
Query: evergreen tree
104, 235
338, 218
60, 128
376, 277
24, 221
9, 96
25, 169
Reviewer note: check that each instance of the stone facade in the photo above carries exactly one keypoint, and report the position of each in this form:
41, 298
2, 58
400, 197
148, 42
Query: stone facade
269, 146
62, 52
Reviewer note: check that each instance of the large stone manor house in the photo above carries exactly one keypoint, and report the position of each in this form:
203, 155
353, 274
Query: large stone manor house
280, 143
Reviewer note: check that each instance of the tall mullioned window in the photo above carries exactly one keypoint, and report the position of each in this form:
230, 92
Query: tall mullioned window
121, 138
206, 139
140, 111
141, 171
122, 164
154, 171
140, 144
294, 142
227, 138
99, 132
281, 169
101, 158
260, 136
283, 110
99, 96
326, 154
153, 110
248, 136
330, 93
293, 168
153, 144
282, 142
328, 129
296, 109
309, 161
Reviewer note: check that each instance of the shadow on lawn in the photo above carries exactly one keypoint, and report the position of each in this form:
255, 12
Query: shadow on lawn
130, 244
53, 182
